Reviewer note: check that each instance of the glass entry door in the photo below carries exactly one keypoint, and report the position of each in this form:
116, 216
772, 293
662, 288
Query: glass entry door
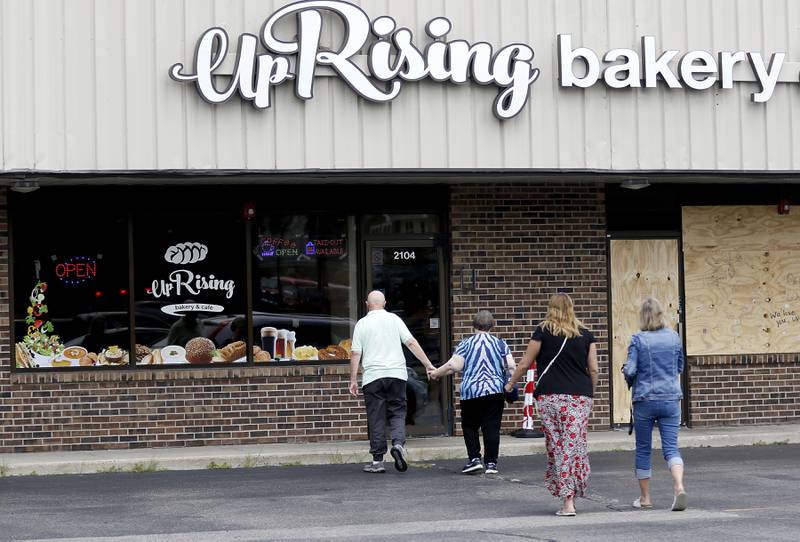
410, 273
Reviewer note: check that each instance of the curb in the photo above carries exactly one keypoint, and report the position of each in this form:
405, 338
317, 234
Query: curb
420, 450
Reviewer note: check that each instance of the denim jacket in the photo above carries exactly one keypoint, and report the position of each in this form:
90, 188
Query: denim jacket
655, 359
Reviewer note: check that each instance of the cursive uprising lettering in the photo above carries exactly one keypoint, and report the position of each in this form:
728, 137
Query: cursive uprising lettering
392, 59
182, 282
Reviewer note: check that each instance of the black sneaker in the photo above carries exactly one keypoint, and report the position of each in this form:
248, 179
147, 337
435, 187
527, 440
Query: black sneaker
376, 467
491, 468
473, 466
399, 455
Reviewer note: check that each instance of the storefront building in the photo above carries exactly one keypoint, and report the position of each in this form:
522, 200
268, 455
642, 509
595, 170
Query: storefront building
197, 196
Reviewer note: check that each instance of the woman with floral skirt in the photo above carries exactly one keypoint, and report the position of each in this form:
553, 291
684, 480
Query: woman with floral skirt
566, 363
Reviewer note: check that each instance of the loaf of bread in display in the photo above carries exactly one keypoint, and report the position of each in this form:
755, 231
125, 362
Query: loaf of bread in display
233, 351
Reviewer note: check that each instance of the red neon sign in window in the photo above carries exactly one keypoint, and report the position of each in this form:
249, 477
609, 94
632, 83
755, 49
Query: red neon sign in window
76, 270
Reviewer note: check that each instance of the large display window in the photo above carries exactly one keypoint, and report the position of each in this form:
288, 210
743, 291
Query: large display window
71, 288
172, 276
304, 286
191, 303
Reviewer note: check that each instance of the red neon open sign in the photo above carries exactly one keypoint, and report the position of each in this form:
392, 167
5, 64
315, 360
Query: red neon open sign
76, 270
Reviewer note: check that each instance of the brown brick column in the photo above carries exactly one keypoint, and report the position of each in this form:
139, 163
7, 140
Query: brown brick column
526, 242
5, 323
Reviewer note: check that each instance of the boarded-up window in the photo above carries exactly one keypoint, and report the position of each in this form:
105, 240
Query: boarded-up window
742, 277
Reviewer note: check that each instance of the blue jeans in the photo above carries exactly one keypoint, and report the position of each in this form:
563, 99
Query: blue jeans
668, 415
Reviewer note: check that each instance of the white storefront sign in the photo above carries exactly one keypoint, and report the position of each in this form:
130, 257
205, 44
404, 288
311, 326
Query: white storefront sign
394, 59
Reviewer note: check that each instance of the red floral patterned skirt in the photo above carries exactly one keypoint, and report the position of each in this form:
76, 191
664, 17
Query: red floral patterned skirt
565, 420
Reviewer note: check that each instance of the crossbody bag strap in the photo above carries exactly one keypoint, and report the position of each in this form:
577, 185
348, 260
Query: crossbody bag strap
551, 361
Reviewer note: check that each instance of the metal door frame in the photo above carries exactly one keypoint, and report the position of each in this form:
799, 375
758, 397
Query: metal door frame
402, 241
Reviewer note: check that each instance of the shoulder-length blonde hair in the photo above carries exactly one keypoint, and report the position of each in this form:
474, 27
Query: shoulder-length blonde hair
561, 320
652, 316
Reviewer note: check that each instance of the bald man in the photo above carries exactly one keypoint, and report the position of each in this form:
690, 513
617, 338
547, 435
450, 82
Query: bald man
378, 342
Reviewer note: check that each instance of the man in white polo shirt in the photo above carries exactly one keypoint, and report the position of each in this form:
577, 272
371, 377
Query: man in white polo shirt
378, 342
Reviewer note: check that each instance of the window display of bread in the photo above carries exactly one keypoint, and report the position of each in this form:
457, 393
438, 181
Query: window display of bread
334, 352
233, 351
305, 353
347, 344
199, 349
262, 356
141, 352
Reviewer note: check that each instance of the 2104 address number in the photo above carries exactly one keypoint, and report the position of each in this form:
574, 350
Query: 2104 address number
405, 255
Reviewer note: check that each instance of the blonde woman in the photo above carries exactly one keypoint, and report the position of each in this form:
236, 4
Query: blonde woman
566, 363
655, 359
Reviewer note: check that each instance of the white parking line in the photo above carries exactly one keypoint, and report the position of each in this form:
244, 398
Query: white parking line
419, 527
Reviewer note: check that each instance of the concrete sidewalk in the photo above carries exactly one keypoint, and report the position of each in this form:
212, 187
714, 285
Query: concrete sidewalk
330, 453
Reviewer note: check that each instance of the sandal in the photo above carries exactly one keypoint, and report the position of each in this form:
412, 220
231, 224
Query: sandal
638, 504
565, 514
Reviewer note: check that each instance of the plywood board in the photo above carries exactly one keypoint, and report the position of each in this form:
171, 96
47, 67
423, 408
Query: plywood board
639, 269
742, 275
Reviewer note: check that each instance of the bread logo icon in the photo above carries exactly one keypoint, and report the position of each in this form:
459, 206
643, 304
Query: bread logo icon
185, 253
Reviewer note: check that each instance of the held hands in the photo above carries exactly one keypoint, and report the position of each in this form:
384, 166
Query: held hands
432, 374
509, 387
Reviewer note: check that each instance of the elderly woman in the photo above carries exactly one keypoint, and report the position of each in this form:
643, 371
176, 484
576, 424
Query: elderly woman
566, 361
655, 359
484, 359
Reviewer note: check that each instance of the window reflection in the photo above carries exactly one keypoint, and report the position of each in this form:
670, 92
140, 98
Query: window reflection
302, 273
70, 289
190, 278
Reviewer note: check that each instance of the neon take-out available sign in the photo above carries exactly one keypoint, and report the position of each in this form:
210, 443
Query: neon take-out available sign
394, 59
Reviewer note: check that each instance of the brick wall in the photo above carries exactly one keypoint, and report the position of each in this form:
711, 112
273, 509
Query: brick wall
738, 390
194, 407
526, 242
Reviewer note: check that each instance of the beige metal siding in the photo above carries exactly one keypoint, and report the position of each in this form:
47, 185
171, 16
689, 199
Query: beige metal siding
84, 87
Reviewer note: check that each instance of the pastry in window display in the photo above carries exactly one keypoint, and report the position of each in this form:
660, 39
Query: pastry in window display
199, 350
88, 360
233, 351
260, 355
141, 352
334, 351
347, 344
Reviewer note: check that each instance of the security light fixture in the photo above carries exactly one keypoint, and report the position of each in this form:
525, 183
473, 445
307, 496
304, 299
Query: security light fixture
635, 184
24, 186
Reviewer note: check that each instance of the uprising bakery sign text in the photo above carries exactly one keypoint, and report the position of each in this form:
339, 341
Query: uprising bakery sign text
394, 59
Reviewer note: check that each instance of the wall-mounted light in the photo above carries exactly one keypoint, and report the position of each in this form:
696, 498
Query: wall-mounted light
24, 186
635, 184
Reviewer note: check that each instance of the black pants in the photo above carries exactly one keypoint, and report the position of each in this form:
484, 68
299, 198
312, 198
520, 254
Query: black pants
484, 413
385, 398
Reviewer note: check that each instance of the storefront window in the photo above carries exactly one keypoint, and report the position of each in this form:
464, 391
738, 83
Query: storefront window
189, 275
304, 286
71, 287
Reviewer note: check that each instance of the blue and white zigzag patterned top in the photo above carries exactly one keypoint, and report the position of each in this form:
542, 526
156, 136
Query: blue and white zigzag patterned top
484, 365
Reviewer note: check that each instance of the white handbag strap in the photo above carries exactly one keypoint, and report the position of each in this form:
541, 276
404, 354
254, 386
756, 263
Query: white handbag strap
551, 361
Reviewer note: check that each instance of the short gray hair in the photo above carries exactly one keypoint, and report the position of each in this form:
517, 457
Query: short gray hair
483, 321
